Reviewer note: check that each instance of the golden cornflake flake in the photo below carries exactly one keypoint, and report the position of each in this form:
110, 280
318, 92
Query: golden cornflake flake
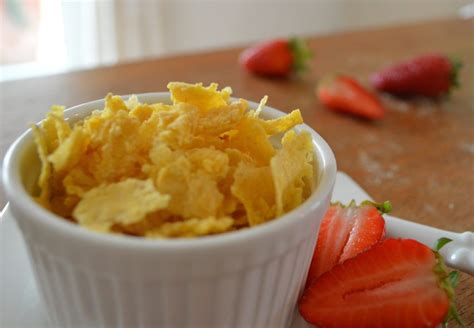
203, 165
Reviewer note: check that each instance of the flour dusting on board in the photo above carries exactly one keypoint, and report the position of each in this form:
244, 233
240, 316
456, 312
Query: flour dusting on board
467, 147
431, 210
378, 173
395, 104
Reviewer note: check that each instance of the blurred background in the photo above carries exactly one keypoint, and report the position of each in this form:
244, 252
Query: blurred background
40, 37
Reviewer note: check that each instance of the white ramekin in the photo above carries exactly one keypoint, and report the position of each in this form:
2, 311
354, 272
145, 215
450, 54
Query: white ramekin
248, 278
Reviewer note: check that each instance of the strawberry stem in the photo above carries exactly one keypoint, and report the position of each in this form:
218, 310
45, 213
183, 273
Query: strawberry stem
301, 54
383, 208
456, 66
448, 282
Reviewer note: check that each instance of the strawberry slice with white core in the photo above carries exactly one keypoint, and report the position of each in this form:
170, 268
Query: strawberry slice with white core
396, 283
345, 232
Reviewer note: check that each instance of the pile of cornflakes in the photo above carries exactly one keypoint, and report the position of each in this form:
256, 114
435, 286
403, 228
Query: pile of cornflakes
203, 165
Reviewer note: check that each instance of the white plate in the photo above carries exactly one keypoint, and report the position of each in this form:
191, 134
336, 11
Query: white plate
21, 306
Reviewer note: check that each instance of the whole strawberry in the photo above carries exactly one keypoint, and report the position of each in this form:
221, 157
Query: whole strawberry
431, 75
277, 58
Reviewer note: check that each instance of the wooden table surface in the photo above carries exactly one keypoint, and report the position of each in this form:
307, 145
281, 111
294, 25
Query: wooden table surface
420, 156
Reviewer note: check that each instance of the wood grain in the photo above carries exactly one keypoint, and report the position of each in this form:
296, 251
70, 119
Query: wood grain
420, 156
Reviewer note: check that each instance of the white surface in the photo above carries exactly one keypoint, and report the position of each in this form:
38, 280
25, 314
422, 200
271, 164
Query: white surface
20, 304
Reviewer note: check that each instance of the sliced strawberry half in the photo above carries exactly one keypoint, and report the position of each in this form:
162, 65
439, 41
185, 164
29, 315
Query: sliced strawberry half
344, 94
396, 283
345, 232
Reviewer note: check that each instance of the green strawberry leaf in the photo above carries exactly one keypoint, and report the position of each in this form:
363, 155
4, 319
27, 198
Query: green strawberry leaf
301, 54
453, 315
441, 242
453, 277
383, 208
456, 66
448, 282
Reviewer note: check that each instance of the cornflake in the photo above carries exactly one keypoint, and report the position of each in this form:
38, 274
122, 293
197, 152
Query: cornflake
203, 165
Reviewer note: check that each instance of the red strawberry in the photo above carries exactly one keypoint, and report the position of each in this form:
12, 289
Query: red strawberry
276, 58
429, 75
344, 94
396, 283
345, 232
